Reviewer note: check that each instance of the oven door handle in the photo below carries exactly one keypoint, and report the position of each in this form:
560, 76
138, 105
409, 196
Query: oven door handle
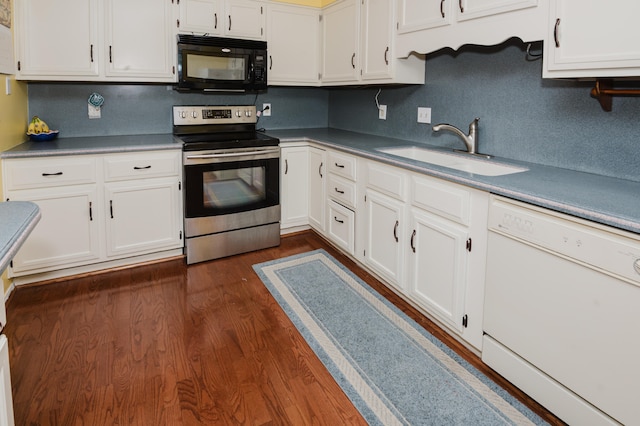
232, 154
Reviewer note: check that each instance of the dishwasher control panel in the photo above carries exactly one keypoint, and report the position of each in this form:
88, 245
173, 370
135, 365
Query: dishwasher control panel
611, 251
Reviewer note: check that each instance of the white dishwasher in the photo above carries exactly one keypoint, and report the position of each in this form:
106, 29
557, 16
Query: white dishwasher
562, 312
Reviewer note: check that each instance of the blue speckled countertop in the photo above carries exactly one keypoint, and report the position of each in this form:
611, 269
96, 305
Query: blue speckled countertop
602, 199
17, 219
93, 145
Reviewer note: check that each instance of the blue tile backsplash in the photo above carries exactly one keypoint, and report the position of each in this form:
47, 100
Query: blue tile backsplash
522, 116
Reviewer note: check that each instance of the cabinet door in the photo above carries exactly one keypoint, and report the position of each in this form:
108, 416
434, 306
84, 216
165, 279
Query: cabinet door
294, 195
415, 15
6, 400
293, 36
340, 49
438, 265
57, 38
245, 19
589, 35
341, 226
67, 233
140, 40
385, 224
143, 216
317, 191
378, 18
202, 16
470, 9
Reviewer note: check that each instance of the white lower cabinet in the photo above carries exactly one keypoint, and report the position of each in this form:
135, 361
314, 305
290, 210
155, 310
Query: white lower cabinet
294, 185
438, 266
317, 188
386, 236
96, 209
6, 400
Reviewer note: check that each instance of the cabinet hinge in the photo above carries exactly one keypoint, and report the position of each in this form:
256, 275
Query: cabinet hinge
465, 321
469, 245
178, 23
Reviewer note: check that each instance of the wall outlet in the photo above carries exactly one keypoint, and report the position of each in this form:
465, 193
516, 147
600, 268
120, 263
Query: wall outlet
266, 110
382, 112
424, 115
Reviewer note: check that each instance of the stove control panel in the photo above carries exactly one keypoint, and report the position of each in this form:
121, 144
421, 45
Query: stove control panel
195, 115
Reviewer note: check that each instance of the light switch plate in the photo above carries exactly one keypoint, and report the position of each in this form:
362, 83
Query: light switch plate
424, 115
94, 112
382, 112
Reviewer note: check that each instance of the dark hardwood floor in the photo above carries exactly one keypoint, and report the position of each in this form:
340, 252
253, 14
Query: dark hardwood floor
167, 344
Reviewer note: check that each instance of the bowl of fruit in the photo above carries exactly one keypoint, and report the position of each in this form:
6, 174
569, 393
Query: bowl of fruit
38, 130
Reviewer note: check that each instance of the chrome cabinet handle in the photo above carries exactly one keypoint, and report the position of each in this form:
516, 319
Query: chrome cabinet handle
555, 32
461, 6
442, 8
286, 166
395, 231
413, 236
338, 220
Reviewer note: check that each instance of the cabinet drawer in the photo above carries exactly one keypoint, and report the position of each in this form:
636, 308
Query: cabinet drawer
29, 173
444, 199
141, 165
342, 164
342, 226
342, 190
386, 180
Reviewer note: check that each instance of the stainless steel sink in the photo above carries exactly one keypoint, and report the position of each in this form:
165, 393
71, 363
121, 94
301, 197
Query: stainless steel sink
454, 161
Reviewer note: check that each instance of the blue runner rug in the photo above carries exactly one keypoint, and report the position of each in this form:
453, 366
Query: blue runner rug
394, 372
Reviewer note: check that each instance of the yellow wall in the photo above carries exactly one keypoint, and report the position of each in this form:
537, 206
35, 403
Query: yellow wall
13, 125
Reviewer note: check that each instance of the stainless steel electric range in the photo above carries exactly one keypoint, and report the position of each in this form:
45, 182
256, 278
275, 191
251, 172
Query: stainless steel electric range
231, 181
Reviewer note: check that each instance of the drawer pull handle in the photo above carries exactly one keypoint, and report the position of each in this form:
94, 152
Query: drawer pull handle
52, 174
413, 236
111, 208
442, 8
340, 166
141, 168
395, 231
338, 220
338, 191
555, 33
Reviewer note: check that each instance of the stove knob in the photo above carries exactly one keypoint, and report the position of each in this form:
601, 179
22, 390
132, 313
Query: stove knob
247, 113
194, 114
183, 114
238, 113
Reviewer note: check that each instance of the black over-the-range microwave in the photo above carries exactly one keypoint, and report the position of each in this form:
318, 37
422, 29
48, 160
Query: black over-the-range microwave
221, 64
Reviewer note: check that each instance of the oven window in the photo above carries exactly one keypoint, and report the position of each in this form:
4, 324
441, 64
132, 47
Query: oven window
233, 188
215, 67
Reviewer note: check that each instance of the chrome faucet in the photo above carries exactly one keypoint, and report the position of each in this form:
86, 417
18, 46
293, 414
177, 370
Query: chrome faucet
470, 140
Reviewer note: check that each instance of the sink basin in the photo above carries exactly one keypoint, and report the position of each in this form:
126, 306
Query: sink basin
454, 161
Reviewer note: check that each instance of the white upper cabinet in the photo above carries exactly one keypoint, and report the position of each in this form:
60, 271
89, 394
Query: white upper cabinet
588, 38
95, 40
427, 26
201, 16
139, 40
231, 18
293, 41
57, 38
341, 30
359, 45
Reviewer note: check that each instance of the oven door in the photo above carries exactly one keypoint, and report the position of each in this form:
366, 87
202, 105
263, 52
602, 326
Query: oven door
225, 182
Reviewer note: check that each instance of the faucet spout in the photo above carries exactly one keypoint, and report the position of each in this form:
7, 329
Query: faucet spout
470, 140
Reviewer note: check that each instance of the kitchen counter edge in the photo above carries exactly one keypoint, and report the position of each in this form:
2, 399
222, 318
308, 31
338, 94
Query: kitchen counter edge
601, 199
18, 219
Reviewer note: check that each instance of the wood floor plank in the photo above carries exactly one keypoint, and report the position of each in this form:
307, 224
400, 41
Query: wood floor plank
167, 344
